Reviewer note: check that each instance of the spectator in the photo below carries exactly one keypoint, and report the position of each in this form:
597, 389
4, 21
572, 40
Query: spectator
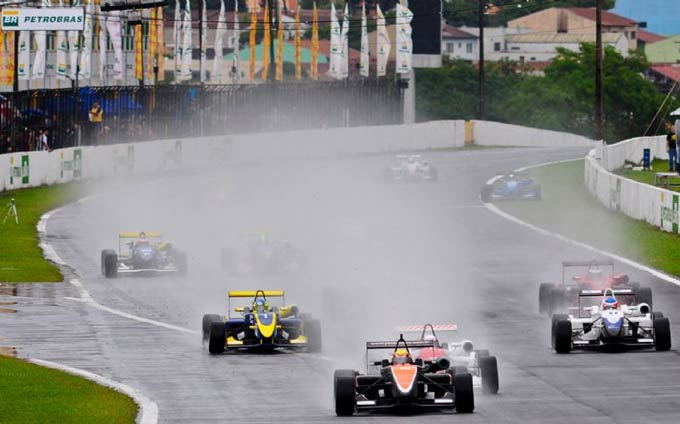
671, 148
96, 116
43, 140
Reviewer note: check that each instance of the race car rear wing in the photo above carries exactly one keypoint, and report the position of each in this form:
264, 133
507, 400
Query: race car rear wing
253, 293
421, 327
572, 264
601, 293
148, 234
417, 344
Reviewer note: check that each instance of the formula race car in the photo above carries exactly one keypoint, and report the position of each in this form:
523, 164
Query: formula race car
511, 187
262, 255
262, 325
410, 168
553, 298
403, 383
611, 323
142, 253
462, 355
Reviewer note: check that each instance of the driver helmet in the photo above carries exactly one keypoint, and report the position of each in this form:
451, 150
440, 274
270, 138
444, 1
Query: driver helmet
260, 305
610, 303
429, 337
401, 356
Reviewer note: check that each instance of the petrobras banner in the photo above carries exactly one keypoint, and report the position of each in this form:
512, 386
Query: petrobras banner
45, 19
669, 212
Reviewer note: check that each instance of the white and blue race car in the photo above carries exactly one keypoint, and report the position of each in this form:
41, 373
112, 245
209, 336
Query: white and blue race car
511, 186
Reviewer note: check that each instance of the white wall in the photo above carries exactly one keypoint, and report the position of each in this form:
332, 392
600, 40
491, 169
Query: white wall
656, 206
142, 158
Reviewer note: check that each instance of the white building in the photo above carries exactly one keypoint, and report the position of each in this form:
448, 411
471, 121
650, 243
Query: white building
457, 44
542, 47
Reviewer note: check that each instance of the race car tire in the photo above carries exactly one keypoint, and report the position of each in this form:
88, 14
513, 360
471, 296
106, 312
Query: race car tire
345, 392
644, 295
555, 318
657, 314
635, 285
485, 195
181, 262
537, 193
544, 297
465, 396
488, 365
313, 333
563, 336
216, 338
458, 370
228, 260
208, 319
557, 300
109, 263
662, 334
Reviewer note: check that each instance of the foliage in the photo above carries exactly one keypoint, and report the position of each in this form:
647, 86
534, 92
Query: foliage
563, 99
466, 12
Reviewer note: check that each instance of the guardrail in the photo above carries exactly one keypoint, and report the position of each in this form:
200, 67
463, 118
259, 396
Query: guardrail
654, 205
29, 169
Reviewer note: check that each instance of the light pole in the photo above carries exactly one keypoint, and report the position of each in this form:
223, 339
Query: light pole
599, 92
482, 6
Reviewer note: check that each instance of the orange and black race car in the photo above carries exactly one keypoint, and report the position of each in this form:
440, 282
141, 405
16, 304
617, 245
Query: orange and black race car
598, 275
402, 383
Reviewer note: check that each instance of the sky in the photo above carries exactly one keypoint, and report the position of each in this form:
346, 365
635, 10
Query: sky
662, 16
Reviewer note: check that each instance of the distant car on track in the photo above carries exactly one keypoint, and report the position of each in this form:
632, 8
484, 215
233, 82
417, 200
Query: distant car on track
610, 324
410, 168
512, 186
261, 325
596, 275
142, 253
462, 355
403, 383
261, 254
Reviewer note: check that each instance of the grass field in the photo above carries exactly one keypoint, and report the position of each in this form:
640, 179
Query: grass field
33, 394
568, 209
21, 258
647, 177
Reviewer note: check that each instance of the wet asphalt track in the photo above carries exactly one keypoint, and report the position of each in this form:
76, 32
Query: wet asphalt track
380, 255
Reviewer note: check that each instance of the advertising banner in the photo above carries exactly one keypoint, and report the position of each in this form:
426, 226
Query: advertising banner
45, 19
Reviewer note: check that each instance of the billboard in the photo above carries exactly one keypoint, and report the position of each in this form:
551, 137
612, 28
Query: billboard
45, 19
427, 26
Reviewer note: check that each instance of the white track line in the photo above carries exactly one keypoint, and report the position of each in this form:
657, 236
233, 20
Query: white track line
148, 410
493, 208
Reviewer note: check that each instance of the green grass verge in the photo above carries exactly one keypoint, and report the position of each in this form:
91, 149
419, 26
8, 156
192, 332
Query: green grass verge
647, 177
21, 259
568, 209
33, 394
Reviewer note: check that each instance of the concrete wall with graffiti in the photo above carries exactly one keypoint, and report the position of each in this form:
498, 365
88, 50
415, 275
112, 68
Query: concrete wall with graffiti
654, 205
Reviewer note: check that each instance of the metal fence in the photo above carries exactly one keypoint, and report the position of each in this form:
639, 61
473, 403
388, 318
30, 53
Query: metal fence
138, 114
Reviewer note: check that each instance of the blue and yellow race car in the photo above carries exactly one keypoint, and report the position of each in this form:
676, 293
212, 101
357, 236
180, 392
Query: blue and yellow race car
261, 325
511, 187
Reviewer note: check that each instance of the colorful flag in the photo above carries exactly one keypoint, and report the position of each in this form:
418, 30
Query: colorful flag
176, 37
152, 43
139, 53
279, 47
383, 43
267, 43
313, 66
216, 74
114, 29
86, 52
204, 43
160, 48
74, 46
187, 48
235, 65
364, 62
24, 54
298, 48
101, 23
253, 46
40, 37
6, 57
404, 41
336, 46
62, 52
344, 43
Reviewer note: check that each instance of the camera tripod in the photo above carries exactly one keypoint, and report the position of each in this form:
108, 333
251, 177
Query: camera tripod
12, 211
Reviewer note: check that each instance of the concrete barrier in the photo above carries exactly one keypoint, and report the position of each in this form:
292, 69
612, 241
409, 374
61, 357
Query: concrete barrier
30, 169
654, 205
